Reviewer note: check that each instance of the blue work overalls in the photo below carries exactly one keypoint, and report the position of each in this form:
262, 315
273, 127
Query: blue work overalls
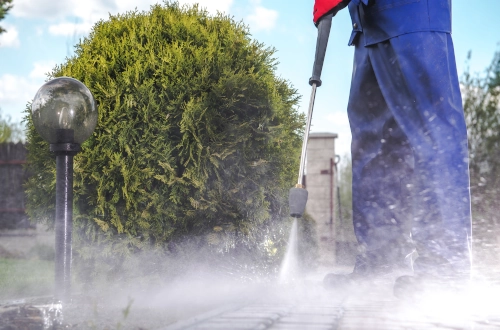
409, 139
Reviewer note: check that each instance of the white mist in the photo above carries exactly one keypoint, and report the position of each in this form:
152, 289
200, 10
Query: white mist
290, 264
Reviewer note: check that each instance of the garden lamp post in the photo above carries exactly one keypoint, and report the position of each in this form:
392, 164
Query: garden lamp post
64, 113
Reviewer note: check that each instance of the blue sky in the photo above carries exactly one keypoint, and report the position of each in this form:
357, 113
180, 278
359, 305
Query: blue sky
42, 33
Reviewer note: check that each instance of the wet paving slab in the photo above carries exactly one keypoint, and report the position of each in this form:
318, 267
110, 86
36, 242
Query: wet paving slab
296, 305
370, 308
352, 317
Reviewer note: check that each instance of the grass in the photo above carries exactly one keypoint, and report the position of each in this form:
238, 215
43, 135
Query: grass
21, 278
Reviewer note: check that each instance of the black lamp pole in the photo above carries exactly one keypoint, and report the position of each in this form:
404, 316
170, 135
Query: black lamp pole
64, 113
64, 150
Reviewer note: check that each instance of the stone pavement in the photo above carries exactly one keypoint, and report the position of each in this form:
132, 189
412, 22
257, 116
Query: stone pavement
300, 304
371, 307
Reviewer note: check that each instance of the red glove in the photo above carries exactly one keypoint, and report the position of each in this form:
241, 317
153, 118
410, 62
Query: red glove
321, 7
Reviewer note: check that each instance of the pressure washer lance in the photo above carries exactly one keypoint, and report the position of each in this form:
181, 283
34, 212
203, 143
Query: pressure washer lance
297, 197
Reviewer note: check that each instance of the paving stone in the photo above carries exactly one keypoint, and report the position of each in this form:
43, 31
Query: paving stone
309, 319
222, 326
378, 310
325, 310
247, 314
243, 320
267, 309
290, 326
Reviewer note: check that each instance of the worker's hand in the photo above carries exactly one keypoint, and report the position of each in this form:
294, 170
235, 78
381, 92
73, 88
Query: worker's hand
323, 7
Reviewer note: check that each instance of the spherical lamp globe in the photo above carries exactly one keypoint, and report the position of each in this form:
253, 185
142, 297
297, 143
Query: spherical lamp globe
64, 111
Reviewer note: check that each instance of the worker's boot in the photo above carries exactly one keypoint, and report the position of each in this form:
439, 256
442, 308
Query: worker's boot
431, 277
366, 272
340, 281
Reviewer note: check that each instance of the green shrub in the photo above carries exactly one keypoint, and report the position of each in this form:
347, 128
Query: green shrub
481, 99
5, 6
196, 134
10, 131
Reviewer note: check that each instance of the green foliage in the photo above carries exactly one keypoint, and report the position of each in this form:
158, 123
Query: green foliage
9, 131
196, 134
346, 240
344, 176
481, 99
482, 110
5, 131
5, 6
481, 96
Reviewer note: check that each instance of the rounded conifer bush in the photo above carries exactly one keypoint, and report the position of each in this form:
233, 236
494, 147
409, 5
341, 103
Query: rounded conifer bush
196, 136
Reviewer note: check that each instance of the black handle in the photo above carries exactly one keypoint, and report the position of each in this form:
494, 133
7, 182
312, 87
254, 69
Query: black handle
324, 26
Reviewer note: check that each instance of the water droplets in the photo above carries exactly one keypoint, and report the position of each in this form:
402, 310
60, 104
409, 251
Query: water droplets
289, 266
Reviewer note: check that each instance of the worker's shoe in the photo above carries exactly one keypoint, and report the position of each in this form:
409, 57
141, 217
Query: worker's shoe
339, 281
432, 277
357, 279
421, 286
365, 273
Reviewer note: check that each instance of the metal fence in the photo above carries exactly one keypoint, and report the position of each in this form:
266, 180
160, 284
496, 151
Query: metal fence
12, 176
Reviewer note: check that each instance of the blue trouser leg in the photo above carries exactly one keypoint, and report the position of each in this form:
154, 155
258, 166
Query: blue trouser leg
409, 151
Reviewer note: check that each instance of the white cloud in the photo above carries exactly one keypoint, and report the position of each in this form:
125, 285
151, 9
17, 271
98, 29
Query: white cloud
40, 69
47, 9
262, 19
90, 9
339, 118
39, 31
10, 38
211, 5
11, 87
70, 29
88, 12
15, 92
336, 122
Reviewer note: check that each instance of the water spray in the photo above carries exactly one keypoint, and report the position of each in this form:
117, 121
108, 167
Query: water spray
297, 197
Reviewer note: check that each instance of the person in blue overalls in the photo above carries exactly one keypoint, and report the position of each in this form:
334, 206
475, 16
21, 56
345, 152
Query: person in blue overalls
409, 140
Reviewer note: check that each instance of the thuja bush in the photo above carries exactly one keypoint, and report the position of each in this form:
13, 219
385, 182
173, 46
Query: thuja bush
197, 135
481, 99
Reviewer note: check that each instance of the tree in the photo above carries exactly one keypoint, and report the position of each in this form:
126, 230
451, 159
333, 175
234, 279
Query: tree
347, 243
481, 96
197, 137
9, 132
482, 110
5, 6
345, 190
5, 130
481, 99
